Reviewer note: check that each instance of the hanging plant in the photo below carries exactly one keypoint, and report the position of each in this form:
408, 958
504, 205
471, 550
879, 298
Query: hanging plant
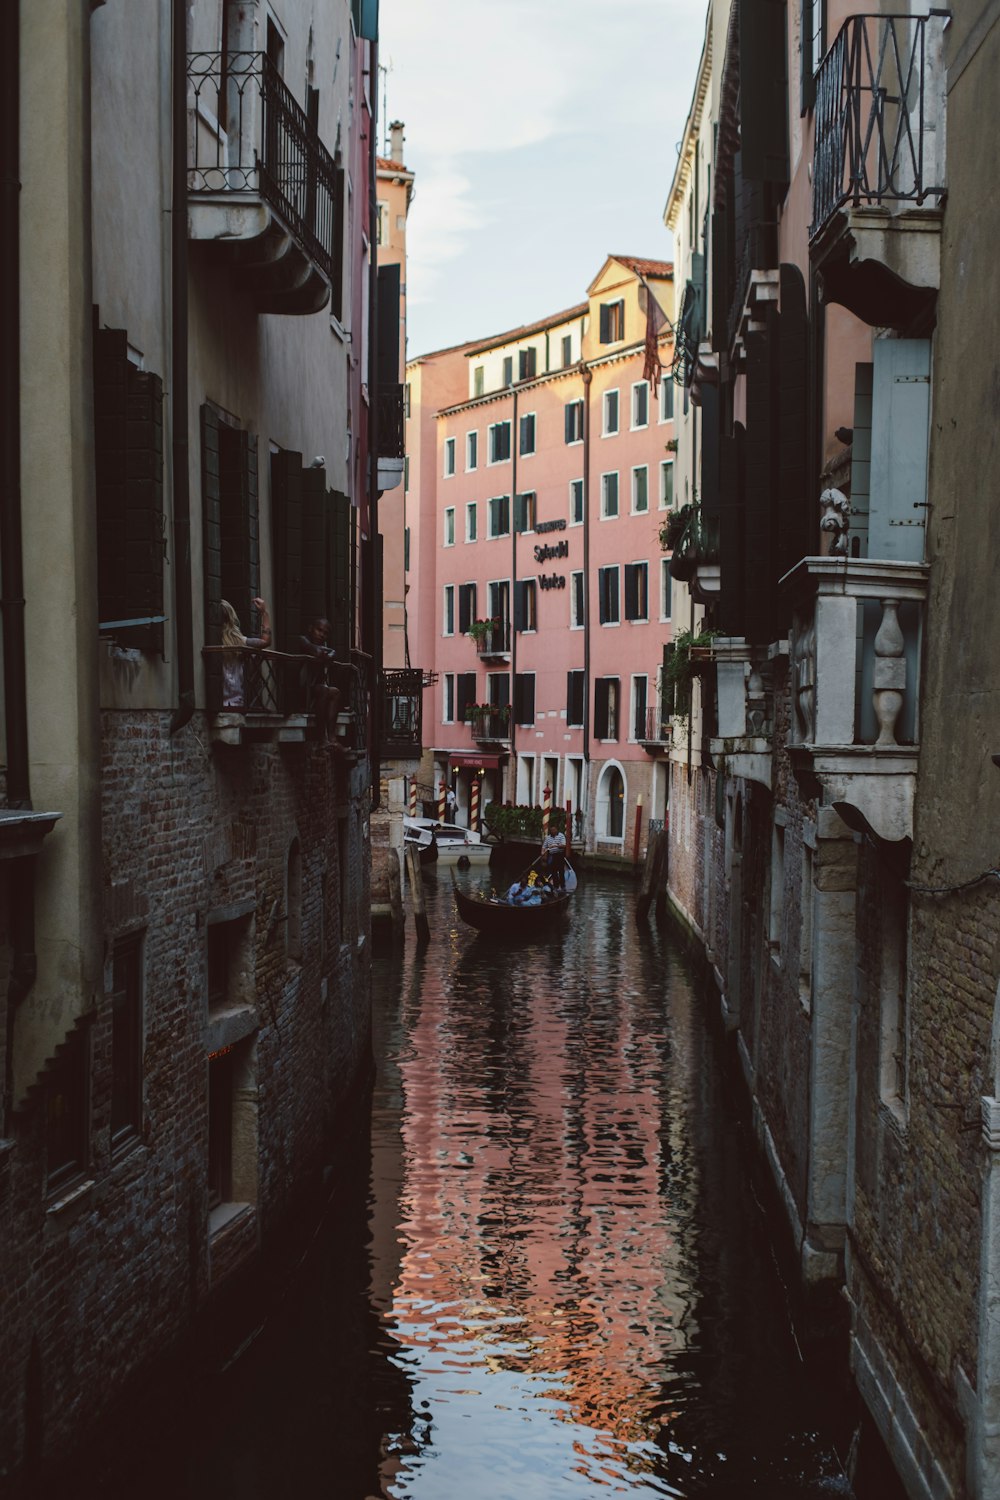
480, 629
687, 655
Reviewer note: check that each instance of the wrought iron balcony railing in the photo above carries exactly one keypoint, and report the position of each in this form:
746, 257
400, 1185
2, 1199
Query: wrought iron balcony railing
252, 137
879, 115
261, 687
402, 702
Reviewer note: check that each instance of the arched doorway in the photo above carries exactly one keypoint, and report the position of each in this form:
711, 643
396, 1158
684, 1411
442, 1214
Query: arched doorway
609, 821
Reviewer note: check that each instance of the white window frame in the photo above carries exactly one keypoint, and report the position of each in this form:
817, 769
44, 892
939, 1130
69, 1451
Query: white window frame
448, 609
666, 467
576, 402
616, 569
492, 462
471, 451
606, 514
448, 698
666, 589
449, 458
449, 526
572, 487
639, 385
471, 516
638, 510
666, 382
606, 430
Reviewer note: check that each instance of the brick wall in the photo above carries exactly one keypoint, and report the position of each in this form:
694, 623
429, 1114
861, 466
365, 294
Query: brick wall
117, 1275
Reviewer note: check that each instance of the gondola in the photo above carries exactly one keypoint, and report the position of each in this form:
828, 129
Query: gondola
501, 919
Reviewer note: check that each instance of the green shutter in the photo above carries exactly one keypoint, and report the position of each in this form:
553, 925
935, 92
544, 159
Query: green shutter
211, 550
764, 90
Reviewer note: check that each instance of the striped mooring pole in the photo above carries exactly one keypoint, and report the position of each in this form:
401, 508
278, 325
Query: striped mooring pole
546, 809
474, 805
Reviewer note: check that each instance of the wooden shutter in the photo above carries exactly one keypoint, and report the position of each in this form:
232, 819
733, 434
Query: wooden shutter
314, 601
710, 435
466, 606
524, 698
211, 550
389, 287
465, 693
732, 522
631, 591
764, 90
520, 605
239, 520
499, 689
760, 542
797, 510
807, 79
286, 544
900, 434
601, 690
341, 579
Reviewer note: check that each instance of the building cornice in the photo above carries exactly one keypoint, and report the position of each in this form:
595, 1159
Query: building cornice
489, 398
685, 157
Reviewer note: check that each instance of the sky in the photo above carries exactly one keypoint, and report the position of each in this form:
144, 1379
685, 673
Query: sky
543, 135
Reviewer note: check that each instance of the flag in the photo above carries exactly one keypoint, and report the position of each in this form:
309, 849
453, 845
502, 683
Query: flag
656, 319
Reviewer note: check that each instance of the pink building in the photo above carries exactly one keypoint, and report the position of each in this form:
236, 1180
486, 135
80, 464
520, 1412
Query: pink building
541, 471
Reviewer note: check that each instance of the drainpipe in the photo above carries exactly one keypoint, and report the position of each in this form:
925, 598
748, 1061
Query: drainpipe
586, 375
183, 592
513, 591
372, 608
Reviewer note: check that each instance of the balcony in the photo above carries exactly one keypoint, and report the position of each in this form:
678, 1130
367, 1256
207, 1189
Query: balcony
488, 723
262, 187
390, 429
492, 639
854, 672
744, 708
879, 167
401, 697
652, 730
694, 538
268, 696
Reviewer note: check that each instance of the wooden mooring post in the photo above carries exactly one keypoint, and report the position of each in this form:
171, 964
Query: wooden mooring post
396, 913
653, 875
413, 871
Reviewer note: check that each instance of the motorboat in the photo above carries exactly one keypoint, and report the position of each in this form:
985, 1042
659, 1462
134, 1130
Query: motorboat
448, 843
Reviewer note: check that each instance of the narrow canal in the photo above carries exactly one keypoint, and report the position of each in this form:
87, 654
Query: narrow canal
557, 1281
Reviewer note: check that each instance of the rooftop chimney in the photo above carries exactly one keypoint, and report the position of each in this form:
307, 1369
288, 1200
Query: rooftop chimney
396, 140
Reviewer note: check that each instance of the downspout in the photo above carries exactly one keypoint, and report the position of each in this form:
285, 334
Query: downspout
586, 375
23, 962
183, 592
372, 610
513, 590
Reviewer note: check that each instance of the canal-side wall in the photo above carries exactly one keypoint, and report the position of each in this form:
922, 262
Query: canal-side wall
104, 1278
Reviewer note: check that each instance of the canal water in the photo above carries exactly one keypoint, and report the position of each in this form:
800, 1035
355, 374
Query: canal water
556, 1279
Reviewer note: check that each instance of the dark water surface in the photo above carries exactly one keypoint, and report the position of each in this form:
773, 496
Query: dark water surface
558, 1283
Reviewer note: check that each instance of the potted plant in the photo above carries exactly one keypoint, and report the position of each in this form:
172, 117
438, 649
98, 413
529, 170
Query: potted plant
687, 655
482, 630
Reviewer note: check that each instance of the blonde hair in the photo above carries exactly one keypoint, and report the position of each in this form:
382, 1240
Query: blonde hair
232, 635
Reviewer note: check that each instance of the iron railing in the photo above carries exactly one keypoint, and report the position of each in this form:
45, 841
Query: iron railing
653, 726
879, 115
272, 684
391, 428
251, 136
402, 699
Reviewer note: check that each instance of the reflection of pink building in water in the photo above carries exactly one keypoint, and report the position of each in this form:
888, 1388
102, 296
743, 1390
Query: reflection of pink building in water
541, 468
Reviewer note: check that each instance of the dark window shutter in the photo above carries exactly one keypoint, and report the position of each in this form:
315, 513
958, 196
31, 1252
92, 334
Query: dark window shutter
570, 419
466, 607
313, 599
211, 551
388, 324
601, 690
286, 520
710, 452
465, 686
667, 685
239, 520
631, 591
760, 551
732, 526
524, 698
796, 532
764, 90
499, 689
520, 605
605, 334
340, 582
721, 252
508, 369
807, 79
574, 698
339, 226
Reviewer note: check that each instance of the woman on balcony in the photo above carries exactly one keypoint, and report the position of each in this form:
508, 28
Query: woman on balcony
234, 693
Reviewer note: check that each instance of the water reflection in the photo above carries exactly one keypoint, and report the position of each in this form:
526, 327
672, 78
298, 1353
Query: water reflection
581, 1293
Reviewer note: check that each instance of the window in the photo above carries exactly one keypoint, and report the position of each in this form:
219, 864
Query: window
609, 408
573, 416
471, 521
499, 516
499, 609
449, 526
406, 549
609, 496
466, 607
527, 362
525, 617
639, 693
576, 502
448, 699
776, 910
465, 693
471, 451
524, 512
607, 594
577, 602
499, 442
665, 589
640, 404
229, 960
449, 609
666, 483
606, 708
574, 699
406, 399
667, 399
527, 433
498, 688
612, 322
67, 1112
640, 490
382, 227
524, 698
449, 457
126, 1041
567, 350
508, 371
636, 591
478, 380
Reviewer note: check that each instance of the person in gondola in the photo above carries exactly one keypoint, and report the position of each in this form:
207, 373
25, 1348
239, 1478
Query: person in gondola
553, 858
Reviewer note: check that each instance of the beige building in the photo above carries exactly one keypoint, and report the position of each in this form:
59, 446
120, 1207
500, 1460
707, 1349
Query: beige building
187, 420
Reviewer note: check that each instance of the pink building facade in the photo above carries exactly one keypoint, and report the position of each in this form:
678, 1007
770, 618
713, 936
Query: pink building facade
541, 472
